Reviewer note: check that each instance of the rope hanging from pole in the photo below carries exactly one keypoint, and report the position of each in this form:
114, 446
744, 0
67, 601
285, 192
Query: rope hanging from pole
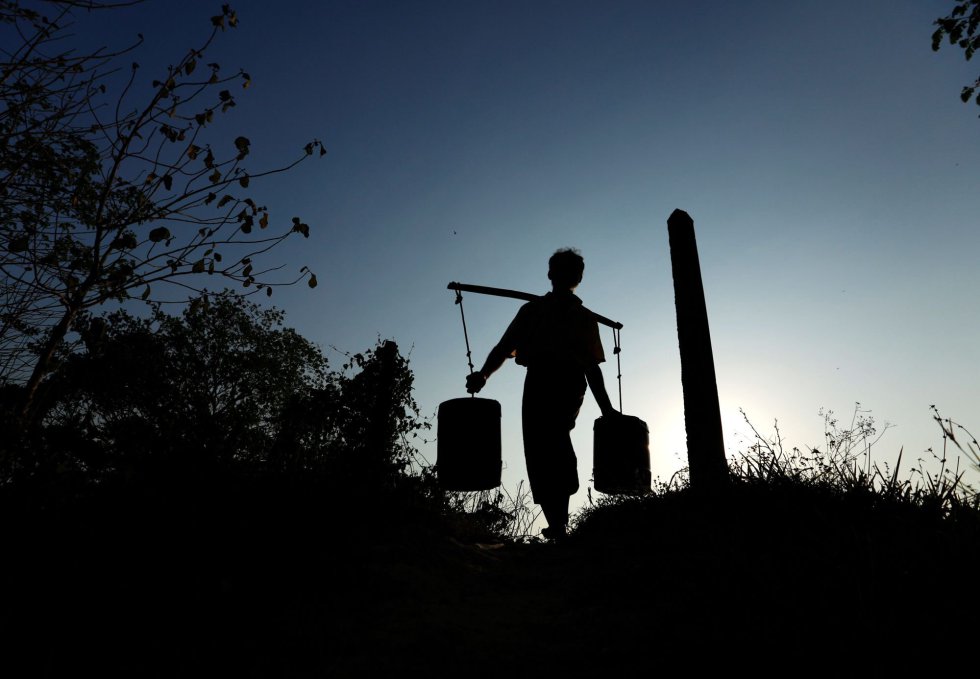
466, 336
619, 367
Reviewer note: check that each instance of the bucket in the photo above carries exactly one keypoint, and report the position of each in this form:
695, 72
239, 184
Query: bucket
621, 455
468, 447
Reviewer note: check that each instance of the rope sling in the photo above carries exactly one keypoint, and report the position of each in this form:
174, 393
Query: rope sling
466, 336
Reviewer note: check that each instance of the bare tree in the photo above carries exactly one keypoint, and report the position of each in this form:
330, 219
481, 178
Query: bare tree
104, 199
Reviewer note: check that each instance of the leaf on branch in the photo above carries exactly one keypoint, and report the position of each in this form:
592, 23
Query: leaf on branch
312, 281
150, 178
209, 160
218, 21
301, 227
217, 256
158, 234
146, 293
192, 151
215, 176
224, 95
243, 182
268, 292
210, 198
189, 67
315, 144
126, 241
198, 266
204, 118
246, 80
247, 271
242, 144
225, 199
168, 181
264, 220
18, 244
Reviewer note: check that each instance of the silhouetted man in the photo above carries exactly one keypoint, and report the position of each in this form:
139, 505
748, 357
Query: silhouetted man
557, 340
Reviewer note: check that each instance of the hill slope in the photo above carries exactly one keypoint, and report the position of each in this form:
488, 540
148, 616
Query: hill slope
286, 580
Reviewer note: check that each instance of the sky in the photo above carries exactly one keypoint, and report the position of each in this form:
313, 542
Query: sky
820, 147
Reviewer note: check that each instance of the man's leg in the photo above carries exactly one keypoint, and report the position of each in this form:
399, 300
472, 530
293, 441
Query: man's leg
556, 513
551, 403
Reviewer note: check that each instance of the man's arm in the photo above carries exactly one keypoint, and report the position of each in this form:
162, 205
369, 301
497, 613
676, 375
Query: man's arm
598, 386
504, 349
476, 381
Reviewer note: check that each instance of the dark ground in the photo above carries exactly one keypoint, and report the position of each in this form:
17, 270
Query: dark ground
253, 579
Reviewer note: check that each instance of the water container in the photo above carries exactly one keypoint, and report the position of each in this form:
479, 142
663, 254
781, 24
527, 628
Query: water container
468, 449
621, 455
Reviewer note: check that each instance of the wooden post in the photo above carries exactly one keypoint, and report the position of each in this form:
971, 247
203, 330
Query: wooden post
702, 414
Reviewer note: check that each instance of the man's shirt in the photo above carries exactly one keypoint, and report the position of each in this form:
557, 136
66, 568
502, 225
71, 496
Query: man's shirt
555, 329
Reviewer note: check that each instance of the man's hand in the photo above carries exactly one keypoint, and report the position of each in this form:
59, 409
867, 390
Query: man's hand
475, 382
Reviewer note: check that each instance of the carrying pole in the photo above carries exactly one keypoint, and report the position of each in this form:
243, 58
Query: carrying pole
526, 296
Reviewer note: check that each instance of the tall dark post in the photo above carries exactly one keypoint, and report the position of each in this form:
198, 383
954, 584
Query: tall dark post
702, 414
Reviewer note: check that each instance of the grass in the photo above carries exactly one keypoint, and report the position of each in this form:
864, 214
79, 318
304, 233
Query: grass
782, 488
813, 551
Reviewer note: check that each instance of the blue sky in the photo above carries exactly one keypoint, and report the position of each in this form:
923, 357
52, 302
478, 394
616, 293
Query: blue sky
820, 147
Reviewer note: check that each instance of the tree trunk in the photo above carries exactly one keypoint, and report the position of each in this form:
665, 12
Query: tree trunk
43, 365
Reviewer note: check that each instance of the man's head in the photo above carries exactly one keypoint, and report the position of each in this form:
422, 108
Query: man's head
565, 269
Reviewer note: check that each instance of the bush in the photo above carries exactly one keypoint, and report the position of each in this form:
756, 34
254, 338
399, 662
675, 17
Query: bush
223, 385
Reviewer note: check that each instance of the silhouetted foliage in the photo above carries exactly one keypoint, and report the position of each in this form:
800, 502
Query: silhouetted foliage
223, 384
960, 27
115, 196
